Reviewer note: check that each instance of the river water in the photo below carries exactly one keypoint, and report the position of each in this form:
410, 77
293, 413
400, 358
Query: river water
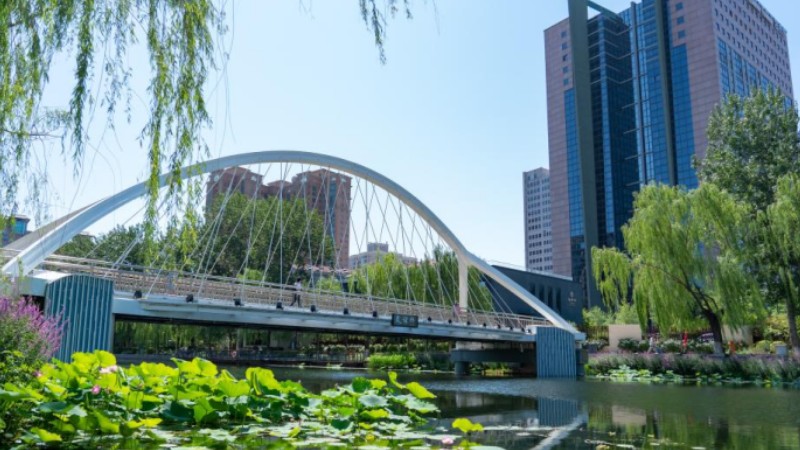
526, 413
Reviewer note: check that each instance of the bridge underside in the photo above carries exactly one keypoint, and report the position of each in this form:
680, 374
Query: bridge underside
211, 312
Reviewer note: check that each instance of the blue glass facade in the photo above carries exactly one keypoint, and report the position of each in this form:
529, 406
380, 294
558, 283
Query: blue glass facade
683, 119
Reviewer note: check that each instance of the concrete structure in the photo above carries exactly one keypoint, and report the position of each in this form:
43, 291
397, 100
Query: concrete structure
323, 190
538, 231
629, 96
375, 252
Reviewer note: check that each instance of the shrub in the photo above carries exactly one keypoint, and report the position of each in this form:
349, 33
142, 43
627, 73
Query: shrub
629, 344
762, 346
391, 361
671, 346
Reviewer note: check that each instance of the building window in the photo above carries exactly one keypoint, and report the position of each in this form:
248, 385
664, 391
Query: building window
564, 34
565, 69
680, 20
681, 34
566, 81
678, 6
564, 57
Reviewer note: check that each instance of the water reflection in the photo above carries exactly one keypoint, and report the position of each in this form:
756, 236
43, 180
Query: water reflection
522, 413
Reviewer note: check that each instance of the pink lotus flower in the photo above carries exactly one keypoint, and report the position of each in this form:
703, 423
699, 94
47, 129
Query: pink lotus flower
37, 374
109, 369
95, 389
447, 441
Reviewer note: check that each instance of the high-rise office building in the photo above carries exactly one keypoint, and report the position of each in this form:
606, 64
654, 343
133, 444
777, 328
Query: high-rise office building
538, 239
629, 96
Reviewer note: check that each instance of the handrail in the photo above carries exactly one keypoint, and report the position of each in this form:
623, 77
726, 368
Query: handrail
219, 288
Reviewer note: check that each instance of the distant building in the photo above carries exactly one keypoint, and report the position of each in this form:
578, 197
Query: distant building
538, 233
629, 96
328, 193
325, 191
375, 252
15, 229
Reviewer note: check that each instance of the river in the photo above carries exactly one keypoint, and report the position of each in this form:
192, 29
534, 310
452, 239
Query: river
526, 413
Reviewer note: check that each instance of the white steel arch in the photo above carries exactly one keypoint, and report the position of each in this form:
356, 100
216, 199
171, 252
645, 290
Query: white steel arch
34, 250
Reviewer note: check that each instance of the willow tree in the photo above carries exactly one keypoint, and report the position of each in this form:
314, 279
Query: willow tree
681, 260
752, 142
181, 40
779, 229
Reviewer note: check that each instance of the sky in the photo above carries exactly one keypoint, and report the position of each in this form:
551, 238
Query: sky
455, 116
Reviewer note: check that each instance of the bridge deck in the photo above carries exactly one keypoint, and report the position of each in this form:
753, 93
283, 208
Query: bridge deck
220, 291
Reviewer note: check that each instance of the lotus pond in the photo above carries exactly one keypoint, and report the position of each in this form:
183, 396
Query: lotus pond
319, 409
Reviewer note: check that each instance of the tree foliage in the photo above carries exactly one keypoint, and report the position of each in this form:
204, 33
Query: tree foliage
682, 261
754, 142
271, 237
102, 36
432, 280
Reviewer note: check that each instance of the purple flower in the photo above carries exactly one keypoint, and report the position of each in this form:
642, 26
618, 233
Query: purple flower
95, 389
37, 333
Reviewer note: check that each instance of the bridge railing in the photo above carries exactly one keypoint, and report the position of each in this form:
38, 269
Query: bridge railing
132, 278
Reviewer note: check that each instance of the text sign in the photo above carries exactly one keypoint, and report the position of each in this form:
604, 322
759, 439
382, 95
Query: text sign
404, 320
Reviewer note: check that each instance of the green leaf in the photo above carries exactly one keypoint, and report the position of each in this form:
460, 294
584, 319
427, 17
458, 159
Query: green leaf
376, 414
53, 407
187, 367
45, 435
146, 423
76, 411
372, 401
106, 425
341, 424
418, 390
295, 432
105, 359
393, 379
466, 425
233, 388
360, 384
207, 368
377, 384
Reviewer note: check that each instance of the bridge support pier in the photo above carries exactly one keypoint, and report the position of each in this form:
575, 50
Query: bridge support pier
85, 305
462, 368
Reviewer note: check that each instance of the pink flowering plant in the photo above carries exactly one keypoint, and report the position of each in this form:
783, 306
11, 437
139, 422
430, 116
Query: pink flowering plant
26, 333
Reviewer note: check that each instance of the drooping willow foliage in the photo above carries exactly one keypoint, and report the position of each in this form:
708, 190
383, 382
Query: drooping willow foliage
682, 257
180, 38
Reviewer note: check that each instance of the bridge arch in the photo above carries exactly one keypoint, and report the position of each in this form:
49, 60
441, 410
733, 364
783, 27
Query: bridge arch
33, 249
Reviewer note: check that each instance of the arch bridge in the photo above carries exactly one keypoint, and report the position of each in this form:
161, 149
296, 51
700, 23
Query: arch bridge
322, 223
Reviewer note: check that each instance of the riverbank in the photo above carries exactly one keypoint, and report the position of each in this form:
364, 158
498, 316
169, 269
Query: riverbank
696, 369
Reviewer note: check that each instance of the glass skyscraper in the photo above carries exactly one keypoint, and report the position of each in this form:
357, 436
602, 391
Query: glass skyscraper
629, 95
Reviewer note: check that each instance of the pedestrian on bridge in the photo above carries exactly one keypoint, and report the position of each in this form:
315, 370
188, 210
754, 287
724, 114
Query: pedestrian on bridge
298, 286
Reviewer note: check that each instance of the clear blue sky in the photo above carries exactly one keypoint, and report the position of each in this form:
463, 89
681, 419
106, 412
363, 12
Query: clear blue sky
455, 116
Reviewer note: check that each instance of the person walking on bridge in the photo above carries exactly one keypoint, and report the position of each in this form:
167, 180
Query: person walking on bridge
298, 286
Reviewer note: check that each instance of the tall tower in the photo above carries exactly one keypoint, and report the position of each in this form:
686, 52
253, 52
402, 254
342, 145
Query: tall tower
538, 232
629, 96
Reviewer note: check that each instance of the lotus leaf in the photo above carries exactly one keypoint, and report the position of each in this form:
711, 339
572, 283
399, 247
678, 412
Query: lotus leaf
466, 425
418, 390
372, 401
46, 436
105, 359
